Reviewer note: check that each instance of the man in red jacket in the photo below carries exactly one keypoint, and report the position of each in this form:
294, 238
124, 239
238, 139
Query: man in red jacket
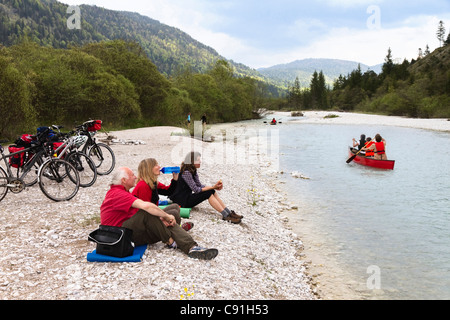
149, 223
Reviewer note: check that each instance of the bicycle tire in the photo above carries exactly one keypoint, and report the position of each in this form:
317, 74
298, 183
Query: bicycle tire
58, 180
85, 167
31, 177
3, 183
103, 157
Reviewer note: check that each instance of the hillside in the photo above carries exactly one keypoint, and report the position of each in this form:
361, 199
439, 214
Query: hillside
436, 62
170, 49
417, 88
285, 74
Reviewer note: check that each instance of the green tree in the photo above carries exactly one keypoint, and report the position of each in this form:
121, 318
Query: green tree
440, 34
318, 91
388, 64
295, 95
17, 112
128, 59
447, 42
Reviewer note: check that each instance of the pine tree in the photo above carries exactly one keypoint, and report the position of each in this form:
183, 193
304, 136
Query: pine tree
388, 63
447, 42
295, 94
322, 95
318, 91
441, 33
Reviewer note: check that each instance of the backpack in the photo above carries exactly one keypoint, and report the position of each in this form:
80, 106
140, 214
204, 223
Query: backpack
18, 160
45, 134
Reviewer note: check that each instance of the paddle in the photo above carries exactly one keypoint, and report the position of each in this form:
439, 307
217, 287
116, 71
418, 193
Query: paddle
354, 156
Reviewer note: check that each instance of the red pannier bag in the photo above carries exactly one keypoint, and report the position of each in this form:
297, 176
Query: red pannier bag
95, 126
17, 160
56, 145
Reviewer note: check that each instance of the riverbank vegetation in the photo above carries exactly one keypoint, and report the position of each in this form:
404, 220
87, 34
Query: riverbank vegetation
114, 81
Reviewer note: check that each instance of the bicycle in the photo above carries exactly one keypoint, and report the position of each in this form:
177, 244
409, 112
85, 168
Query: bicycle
100, 153
68, 150
16, 182
57, 178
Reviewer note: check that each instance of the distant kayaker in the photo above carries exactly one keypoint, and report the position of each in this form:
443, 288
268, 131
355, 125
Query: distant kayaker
274, 121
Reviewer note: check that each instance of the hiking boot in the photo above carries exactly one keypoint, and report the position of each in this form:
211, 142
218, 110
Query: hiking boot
231, 219
202, 253
187, 226
235, 215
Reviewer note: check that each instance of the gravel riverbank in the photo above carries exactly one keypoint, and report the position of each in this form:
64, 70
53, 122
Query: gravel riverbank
43, 244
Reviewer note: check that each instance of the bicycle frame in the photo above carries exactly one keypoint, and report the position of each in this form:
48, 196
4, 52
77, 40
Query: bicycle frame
62, 150
26, 167
89, 143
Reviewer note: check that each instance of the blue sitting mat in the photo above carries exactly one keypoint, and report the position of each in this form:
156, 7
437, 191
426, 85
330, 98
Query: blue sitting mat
136, 257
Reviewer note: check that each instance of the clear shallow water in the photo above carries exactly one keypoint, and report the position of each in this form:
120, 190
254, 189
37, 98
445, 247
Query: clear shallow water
398, 221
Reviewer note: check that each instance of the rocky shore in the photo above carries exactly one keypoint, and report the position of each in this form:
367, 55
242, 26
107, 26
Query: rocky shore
43, 244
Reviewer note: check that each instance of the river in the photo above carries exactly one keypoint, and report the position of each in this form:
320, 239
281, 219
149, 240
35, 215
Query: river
371, 233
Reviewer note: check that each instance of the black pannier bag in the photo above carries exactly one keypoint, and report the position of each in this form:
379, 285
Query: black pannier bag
113, 241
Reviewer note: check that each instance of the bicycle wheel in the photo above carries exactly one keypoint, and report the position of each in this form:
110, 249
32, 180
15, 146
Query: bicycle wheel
29, 172
58, 180
103, 157
3, 183
85, 167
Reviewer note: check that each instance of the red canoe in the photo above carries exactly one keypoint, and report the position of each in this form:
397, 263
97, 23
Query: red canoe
371, 162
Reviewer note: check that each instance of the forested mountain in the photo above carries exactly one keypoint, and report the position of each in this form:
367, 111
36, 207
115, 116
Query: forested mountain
116, 82
45, 22
155, 75
121, 67
416, 88
285, 74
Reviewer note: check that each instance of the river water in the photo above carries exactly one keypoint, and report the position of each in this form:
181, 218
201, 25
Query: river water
371, 233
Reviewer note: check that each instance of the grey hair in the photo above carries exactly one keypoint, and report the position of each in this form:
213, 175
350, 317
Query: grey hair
118, 175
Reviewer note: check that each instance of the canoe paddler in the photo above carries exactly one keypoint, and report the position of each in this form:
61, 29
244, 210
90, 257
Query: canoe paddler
379, 148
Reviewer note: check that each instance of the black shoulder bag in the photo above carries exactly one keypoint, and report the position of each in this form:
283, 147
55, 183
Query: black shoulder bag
113, 241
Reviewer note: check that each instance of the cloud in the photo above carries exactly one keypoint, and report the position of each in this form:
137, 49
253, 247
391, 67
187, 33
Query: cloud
266, 35
370, 46
362, 45
350, 3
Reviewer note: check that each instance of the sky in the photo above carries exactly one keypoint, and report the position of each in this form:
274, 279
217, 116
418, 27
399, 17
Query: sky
263, 33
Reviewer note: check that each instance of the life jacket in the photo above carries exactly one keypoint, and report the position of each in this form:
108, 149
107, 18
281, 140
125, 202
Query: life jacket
380, 147
369, 153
